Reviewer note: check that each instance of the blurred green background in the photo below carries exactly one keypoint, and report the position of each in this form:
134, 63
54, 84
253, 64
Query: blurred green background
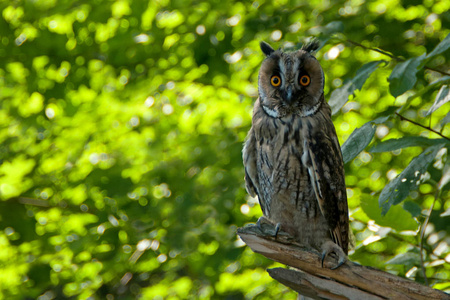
122, 124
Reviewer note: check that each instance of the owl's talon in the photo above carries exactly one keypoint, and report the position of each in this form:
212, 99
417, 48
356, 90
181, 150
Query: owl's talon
330, 247
264, 222
340, 263
277, 229
258, 224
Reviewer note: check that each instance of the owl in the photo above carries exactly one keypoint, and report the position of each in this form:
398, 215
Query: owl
292, 158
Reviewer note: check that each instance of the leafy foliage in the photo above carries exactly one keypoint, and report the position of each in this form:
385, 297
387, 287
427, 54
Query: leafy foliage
442, 97
399, 188
403, 77
396, 218
359, 139
340, 95
122, 123
405, 142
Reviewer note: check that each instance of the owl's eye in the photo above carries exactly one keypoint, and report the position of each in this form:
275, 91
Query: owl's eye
275, 80
305, 80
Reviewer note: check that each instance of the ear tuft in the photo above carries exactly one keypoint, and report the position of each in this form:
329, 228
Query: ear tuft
266, 48
311, 46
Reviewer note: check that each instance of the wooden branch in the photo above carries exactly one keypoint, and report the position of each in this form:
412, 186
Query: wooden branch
315, 287
350, 281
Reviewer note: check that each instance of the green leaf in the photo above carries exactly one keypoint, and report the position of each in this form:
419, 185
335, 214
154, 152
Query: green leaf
445, 213
413, 208
398, 189
340, 96
403, 77
441, 47
446, 119
397, 218
442, 97
423, 91
333, 27
445, 179
407, 259
405, 142
359, 139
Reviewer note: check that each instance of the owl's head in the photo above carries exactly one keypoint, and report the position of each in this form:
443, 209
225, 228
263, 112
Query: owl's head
290, 82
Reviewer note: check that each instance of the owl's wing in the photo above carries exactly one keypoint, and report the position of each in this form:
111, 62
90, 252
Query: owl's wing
251, 172
323, 159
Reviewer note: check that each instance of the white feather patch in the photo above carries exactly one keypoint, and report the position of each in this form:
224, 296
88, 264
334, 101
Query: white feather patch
270, 112
311, 111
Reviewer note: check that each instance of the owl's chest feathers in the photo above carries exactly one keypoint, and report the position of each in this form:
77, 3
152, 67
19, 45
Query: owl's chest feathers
283, 136
280, 148
282, 139
285, 182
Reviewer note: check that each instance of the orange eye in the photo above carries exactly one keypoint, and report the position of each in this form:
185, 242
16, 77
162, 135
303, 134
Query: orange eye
305, 80
275, 80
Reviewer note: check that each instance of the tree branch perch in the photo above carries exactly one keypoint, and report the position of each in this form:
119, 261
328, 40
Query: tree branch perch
350, 281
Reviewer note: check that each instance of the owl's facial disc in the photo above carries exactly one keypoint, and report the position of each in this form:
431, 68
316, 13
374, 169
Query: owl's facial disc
296, 90
290, 83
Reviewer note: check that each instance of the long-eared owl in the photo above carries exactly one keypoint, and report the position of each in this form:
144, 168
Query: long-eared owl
292, 157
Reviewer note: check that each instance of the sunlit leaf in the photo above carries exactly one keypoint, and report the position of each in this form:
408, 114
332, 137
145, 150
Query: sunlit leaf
405, 259
433, 85
340, 96
170, 19
445, 179
398, 189
446, 213
442, 97
397, 218
12, 176
445, 120
403, 77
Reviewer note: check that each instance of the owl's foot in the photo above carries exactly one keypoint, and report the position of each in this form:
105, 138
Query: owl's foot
277, 229
267, 227
330, 247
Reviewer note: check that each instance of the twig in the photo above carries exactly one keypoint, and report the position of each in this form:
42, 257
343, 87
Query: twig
33, 201
375, 49
424, 127
392, 56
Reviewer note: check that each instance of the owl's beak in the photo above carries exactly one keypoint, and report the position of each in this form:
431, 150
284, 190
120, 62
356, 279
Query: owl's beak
289, 94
